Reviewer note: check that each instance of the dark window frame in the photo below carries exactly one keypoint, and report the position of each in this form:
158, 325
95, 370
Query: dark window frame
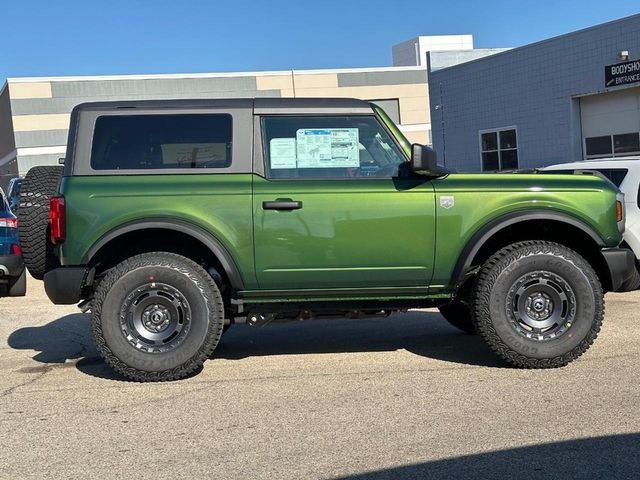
499, 150
612, 153
266, 154
170, 170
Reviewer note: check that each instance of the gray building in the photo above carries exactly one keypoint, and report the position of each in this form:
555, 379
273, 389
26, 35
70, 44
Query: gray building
572, 97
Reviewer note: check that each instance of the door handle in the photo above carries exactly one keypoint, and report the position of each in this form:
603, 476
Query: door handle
286, 205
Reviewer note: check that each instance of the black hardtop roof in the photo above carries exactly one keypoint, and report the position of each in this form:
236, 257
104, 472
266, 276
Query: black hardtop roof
260, 103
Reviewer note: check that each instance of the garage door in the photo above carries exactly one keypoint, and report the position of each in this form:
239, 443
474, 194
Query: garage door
611, 124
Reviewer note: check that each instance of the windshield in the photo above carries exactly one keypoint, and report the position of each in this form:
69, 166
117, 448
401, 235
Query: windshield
399, 136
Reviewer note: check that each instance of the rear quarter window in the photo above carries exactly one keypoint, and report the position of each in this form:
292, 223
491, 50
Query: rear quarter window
160, 142
616, 175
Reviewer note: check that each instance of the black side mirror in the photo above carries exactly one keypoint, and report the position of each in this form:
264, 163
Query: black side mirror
424, 160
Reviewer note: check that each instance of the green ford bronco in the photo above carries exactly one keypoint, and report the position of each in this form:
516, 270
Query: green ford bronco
171, 220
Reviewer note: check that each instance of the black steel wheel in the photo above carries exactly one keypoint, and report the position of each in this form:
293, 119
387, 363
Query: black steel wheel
538, 304
157, 316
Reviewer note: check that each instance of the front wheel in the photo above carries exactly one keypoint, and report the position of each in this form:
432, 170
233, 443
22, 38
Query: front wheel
538, 304
157, 316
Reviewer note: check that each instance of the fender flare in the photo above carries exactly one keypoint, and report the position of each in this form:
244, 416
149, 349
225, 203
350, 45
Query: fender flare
478, 240
210, 241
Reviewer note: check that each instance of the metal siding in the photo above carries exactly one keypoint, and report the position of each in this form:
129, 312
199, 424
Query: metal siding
362, 79
530, 87
7, 141
41, 138
153, 87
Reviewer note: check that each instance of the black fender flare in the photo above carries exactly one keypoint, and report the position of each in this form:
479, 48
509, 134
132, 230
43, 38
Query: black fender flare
477, 241
194, 231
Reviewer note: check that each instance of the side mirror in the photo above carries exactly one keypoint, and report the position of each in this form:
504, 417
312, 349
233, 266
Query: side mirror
424, 159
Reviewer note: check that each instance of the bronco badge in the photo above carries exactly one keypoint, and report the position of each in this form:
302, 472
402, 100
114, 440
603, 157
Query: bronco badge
447, 201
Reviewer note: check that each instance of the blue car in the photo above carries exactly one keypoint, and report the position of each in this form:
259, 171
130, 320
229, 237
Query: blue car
13, 277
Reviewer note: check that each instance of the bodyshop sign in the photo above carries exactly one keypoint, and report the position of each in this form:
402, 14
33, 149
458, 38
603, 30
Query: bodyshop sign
622, 73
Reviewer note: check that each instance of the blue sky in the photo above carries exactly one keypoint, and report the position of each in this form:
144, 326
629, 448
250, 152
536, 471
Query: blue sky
69, 37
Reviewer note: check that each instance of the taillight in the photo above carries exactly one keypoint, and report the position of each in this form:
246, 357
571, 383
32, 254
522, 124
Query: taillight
56, 217
619, 211
15, 249
9, 222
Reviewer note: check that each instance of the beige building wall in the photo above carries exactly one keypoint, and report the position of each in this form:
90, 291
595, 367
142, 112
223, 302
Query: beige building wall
37, 110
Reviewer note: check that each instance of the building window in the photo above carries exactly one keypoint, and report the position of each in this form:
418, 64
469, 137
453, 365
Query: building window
618, 145
391, 107
499, 149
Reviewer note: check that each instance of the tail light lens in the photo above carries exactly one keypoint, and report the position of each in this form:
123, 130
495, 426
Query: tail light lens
9, 222
619, 211
15, 249
56, 217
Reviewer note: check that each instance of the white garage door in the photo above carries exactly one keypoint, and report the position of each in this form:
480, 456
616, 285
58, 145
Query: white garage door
611, 124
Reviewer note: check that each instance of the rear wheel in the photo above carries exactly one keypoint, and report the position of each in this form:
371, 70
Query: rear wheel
38, 186
157, 316
538, 304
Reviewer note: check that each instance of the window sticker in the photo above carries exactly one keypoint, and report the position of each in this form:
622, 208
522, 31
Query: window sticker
282, 153
327, 148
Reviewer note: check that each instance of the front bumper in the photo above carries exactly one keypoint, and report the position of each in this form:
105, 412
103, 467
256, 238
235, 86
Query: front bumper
621, 262
11, 266
64, 285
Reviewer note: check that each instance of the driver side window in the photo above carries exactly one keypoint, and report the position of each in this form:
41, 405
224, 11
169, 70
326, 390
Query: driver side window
328, 147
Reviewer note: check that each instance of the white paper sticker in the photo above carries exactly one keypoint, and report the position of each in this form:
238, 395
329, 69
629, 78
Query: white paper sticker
282, 153
327, 148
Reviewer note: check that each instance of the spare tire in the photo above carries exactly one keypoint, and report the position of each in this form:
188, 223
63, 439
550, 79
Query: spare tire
38, 186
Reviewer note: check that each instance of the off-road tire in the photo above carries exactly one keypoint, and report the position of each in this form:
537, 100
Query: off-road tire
458, 314
633, 282
114, 293
493, 290
38, 186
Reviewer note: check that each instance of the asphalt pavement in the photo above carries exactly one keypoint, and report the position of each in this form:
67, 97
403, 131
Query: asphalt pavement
402, 397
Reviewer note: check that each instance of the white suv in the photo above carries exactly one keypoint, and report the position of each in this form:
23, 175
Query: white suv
624, 172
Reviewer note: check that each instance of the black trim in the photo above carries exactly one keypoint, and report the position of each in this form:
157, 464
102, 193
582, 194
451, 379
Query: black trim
621, 262
250, 295
490, 229
211, 242
286, 205
64, 285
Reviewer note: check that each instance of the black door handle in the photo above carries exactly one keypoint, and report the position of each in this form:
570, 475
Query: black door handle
282, 205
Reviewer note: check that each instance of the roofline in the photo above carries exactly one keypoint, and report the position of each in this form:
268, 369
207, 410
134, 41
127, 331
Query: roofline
5, 85
257, 103
540, 42
86, 78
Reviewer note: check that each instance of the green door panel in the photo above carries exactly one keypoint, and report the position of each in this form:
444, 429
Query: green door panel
220, 204
348, 233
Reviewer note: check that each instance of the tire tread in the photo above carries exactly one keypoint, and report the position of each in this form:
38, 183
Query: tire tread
481, 296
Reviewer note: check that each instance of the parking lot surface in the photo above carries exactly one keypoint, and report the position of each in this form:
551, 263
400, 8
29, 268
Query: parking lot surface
403, 397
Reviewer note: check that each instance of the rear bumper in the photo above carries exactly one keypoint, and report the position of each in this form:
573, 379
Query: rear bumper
621, 263
11, 266
64, 285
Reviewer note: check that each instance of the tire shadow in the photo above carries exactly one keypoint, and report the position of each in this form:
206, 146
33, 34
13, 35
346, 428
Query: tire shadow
423, 333
69, 340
